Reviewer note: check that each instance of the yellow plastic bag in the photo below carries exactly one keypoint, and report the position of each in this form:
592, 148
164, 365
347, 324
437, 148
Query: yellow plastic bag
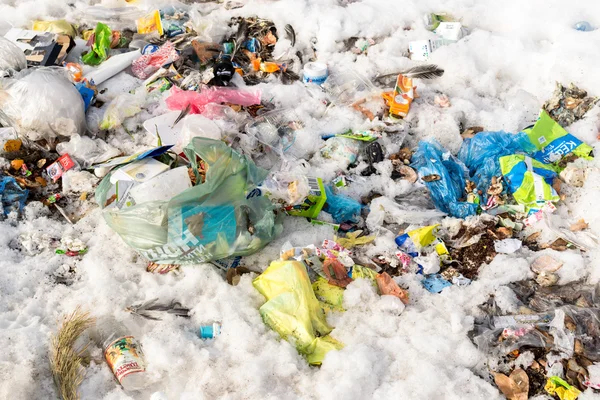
358, 271
424, 236
330, 297
293, 311
60, 27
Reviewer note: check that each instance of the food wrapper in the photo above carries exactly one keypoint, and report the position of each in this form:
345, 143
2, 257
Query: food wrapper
553, 142
148, 64
293, 311
557, 386
150, 23
401, 98
388, 286
413, 241
529, 181
336, 273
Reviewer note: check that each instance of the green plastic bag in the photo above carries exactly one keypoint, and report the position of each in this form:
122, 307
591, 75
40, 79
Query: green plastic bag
99, 51
553, 142
529, 180
293, 311
219, 218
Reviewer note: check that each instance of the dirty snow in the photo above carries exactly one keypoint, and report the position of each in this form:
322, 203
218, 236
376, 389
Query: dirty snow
497, 77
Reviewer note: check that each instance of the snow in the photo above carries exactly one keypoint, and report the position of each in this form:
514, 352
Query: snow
497, 77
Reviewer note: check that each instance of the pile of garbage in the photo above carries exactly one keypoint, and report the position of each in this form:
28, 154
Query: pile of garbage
228, 166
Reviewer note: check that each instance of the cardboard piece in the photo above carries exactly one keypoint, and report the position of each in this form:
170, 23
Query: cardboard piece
41, 48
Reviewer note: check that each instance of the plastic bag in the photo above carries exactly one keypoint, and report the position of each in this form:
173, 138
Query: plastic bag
278, 130
210, 221
342, 208
339, 148
12, 58
293, 311
121, 107
12, 197
87, 151
180, 99
59, 26
445, 177
529, 181
118, 17
345, 86
100, 47
482, 152
148, 64
42, 104
553, 142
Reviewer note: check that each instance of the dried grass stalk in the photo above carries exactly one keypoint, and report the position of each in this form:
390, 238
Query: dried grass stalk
65, 359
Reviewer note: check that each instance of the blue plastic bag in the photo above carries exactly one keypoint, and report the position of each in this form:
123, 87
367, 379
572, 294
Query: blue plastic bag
342, 208
12, 197
435, 283
481, 153
432, 159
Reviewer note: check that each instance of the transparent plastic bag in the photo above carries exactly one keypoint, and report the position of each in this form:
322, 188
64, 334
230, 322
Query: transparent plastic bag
346, 86
445, 177
210, 221
12, 58
42, 104
117, 17
278, 130
123, 106
87, 151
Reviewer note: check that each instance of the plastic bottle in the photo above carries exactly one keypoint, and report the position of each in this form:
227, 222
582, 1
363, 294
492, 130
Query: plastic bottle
210, 331
123, 353
583, 26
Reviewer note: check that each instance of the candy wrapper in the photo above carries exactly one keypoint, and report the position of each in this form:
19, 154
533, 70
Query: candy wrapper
148, 64
553, 142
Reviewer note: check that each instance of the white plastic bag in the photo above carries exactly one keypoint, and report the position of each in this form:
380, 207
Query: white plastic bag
42, 104
121, 107
87, 151
12, 58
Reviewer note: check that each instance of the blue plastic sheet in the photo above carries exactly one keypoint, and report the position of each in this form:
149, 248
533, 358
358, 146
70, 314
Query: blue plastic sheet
12, 197
480, 154
432, 159
342, 208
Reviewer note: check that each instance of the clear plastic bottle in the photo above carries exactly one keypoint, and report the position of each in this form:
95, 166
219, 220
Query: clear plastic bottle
584, 26
123, 353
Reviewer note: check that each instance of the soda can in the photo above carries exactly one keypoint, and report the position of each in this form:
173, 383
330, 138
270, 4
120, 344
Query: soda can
210, 331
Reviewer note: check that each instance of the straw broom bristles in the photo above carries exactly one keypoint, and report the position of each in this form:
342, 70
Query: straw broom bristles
65, 359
